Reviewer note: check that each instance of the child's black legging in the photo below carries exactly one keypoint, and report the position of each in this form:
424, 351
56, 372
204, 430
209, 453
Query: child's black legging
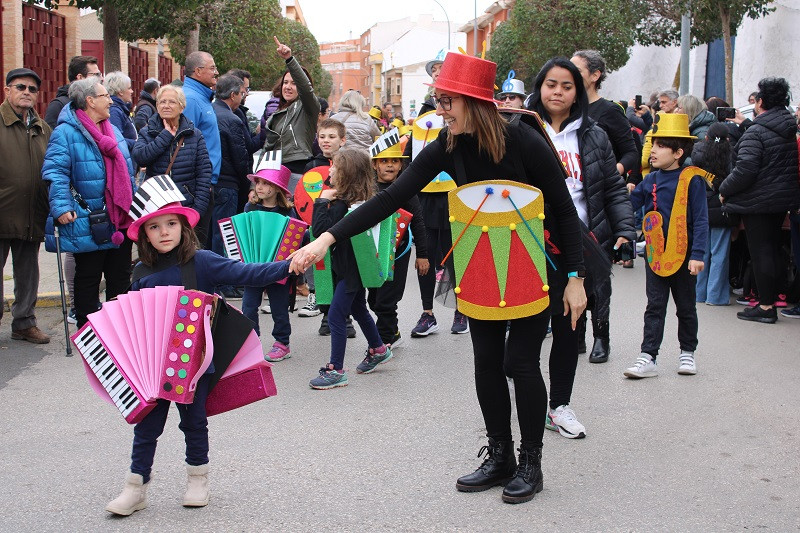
522, 363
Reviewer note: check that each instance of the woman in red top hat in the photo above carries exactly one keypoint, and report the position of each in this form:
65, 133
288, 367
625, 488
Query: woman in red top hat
477, 138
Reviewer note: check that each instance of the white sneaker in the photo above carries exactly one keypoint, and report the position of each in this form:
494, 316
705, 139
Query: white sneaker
687, 366
644, 367
266, 309
563, 419
310, 309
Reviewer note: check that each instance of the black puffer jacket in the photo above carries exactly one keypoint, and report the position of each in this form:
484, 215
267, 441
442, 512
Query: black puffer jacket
191, 170
764, 179
145, 109
610, 211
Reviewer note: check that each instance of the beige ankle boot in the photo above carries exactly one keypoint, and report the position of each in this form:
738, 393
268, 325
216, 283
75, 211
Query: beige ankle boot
133, 497
197, 486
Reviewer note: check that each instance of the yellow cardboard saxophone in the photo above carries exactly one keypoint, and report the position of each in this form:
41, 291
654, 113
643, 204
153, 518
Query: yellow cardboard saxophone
665, 258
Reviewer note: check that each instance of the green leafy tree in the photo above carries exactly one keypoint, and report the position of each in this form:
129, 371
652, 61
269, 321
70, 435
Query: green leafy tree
538, 30
711, 20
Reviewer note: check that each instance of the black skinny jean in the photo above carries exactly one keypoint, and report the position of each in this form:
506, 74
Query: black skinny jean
764, 241
521, 361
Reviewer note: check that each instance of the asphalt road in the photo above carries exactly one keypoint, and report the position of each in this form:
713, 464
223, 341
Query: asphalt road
713, 452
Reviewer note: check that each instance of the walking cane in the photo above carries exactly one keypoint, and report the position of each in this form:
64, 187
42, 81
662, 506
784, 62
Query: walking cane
61, 286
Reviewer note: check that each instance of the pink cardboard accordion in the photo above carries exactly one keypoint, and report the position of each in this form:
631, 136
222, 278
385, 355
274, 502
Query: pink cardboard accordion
157, 343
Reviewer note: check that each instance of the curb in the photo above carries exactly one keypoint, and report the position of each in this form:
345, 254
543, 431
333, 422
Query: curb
44, 299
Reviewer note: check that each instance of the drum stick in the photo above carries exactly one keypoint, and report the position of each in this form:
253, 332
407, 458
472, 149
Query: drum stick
489, 191
507, 194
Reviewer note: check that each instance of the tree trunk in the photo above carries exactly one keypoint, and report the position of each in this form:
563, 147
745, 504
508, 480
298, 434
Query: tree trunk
193, 40
111, 57
725, 19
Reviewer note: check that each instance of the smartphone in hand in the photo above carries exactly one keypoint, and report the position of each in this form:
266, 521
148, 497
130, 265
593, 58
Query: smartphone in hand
638, 99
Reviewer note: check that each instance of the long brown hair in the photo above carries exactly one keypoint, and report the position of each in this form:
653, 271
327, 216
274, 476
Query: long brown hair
355, 180
185, 250
278, 89
482, 119
280, 197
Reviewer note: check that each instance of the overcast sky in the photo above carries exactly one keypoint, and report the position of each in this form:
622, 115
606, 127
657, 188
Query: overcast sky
334, 21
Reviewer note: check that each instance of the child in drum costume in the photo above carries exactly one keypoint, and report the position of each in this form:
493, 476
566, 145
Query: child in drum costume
168, 255
477, 138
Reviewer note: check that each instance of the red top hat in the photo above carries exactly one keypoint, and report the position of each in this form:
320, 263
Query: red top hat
467, 75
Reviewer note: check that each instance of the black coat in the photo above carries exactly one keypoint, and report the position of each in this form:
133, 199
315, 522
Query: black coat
145, 109
191, 170
716, 218
764, 179
610, 211
236, 160
611, 117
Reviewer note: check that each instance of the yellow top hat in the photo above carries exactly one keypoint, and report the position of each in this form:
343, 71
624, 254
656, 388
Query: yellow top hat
671, 125
397, 123
393, 152
375, 112
404, 130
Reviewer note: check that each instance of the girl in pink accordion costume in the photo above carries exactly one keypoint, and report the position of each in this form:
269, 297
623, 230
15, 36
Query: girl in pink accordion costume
271, 195
169, 255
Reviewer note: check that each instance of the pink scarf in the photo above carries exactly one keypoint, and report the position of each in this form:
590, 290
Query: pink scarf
118, 193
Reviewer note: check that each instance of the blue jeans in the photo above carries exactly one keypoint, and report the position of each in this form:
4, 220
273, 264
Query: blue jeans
225, 200
194, 425
349, 303
278, 296
713, 285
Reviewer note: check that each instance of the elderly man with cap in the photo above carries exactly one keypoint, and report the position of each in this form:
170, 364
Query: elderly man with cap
23, 197
512, 92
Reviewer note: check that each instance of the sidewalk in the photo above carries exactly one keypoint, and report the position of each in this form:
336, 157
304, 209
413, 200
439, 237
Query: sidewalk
49, 292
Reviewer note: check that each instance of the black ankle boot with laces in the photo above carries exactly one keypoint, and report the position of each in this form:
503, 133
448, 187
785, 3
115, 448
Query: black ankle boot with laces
528, 478
497, 468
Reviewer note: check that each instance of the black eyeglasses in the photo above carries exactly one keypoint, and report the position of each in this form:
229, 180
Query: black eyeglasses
33, 89
446, 102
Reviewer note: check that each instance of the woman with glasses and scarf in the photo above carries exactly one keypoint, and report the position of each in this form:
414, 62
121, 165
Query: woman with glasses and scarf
478, 138
89, 169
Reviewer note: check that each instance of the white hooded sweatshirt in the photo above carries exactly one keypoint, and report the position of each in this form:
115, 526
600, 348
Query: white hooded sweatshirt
566, 142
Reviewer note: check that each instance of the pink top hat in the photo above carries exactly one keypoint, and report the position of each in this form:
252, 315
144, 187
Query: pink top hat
279, 178
158, 196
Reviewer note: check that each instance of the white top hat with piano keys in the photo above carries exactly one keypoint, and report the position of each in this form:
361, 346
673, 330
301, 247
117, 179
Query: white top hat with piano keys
155, 197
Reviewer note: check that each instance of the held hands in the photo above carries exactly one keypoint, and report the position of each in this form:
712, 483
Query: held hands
574, 299
310, 253
422, 266
284, 51
695, 267
67, 218
630, 187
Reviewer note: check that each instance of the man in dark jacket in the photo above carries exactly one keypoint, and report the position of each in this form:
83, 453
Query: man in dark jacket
236, 161
80, 67
146, 107
23, 197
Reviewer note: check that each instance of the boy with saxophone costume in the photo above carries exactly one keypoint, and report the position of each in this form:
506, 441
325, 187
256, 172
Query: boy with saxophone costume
676, 230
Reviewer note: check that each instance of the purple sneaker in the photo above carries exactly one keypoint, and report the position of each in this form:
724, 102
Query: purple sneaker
425, 326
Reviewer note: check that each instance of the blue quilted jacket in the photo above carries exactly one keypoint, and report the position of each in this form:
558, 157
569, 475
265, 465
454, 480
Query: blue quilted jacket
72, 157
191, 170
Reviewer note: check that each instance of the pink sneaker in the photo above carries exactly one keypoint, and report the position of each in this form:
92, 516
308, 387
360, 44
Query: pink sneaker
279, 352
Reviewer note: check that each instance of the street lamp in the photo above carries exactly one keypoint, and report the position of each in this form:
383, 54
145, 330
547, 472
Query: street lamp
448, 23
